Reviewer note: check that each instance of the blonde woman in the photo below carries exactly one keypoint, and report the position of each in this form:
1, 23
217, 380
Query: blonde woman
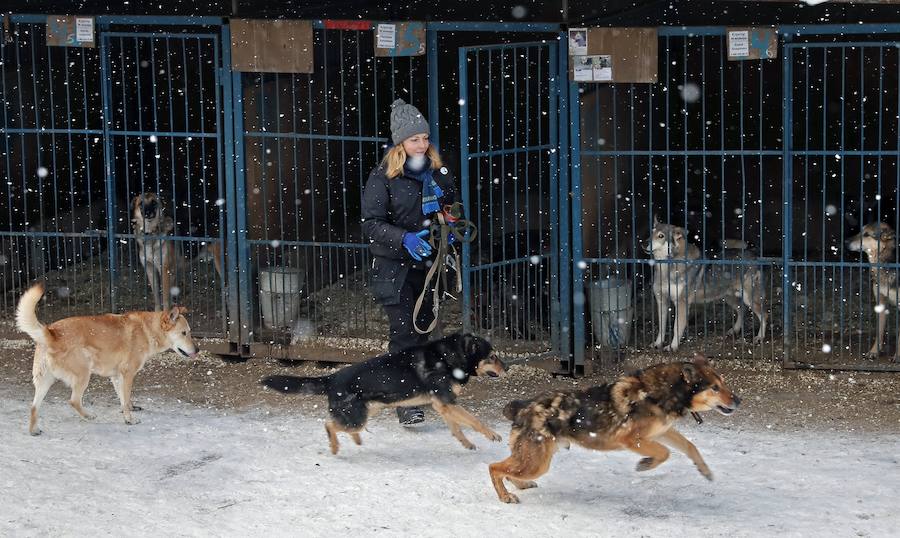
402, 195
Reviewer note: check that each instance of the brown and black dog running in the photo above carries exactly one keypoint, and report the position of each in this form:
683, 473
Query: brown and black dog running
637, 412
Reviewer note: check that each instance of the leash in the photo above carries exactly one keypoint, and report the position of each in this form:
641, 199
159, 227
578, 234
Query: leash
447, 222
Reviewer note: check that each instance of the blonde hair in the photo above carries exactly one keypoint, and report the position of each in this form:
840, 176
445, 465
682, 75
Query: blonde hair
396, 156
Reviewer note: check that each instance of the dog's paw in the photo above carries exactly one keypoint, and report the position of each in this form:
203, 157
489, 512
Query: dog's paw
706, 473
88, 417
758, 339
493, 436
35, 433
136, 408
671, 347
509, 498
131, 421
468, 445
873, 353
645, 464
525, 484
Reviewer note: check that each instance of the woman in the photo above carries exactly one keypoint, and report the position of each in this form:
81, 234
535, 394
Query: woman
401, 197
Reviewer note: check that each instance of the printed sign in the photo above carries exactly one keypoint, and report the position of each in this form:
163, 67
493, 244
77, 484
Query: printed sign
400, 39
752, 43
68, 31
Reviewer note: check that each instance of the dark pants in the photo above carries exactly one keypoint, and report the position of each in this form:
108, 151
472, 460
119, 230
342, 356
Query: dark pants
403, 334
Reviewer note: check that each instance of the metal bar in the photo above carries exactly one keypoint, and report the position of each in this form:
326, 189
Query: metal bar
313, 136
431, 40
161, 35
494, 27
106, 89
464, 183
510, 151
51, 131
787, 213
562, 93
237, 210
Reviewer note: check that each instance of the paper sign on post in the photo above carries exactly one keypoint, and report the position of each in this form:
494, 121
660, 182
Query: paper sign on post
387, 36
84, 29
603, 68
739, 44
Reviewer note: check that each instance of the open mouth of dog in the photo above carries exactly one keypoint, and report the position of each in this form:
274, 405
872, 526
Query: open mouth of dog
724, 410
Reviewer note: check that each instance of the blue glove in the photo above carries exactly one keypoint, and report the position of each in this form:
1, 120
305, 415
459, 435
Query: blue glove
416, 245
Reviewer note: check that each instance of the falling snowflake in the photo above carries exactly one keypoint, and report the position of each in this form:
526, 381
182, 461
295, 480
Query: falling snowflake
690, 92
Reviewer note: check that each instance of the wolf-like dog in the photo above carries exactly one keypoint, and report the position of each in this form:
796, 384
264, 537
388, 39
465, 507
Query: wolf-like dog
688, 283
878, 241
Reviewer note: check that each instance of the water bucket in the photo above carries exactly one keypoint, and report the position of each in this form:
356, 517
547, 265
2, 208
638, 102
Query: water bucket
611, 311
279, 296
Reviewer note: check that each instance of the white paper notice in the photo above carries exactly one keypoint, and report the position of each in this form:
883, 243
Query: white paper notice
739, 44
387, 36
583, 68
578, 43
602, 68
84, 29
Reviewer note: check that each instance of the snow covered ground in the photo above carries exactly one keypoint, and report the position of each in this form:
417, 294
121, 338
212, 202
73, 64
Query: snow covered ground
192, 471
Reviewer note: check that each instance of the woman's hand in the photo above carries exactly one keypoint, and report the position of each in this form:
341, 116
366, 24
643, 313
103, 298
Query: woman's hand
416, 245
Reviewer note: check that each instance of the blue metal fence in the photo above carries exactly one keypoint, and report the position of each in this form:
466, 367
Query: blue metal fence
271, 167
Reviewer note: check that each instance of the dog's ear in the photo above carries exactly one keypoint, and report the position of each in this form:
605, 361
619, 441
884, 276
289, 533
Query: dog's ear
678, 234
690, 373
655, 220
135, 201
176, 312
475, 347
700, 360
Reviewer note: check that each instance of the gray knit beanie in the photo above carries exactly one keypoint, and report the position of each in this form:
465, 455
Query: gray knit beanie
406, 121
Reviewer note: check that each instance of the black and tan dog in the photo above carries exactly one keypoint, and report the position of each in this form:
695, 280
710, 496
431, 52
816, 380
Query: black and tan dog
433, 373
635, 413
879, 242
157, 255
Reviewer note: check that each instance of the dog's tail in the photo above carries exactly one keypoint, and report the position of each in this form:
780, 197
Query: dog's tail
512, 409
26, 319
289, 384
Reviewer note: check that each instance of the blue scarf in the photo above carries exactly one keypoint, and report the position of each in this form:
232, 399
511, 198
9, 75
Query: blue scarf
431, 191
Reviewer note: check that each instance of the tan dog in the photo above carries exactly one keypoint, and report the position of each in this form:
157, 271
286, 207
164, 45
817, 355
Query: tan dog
878, 242
157, 255
111, 345
636, 412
